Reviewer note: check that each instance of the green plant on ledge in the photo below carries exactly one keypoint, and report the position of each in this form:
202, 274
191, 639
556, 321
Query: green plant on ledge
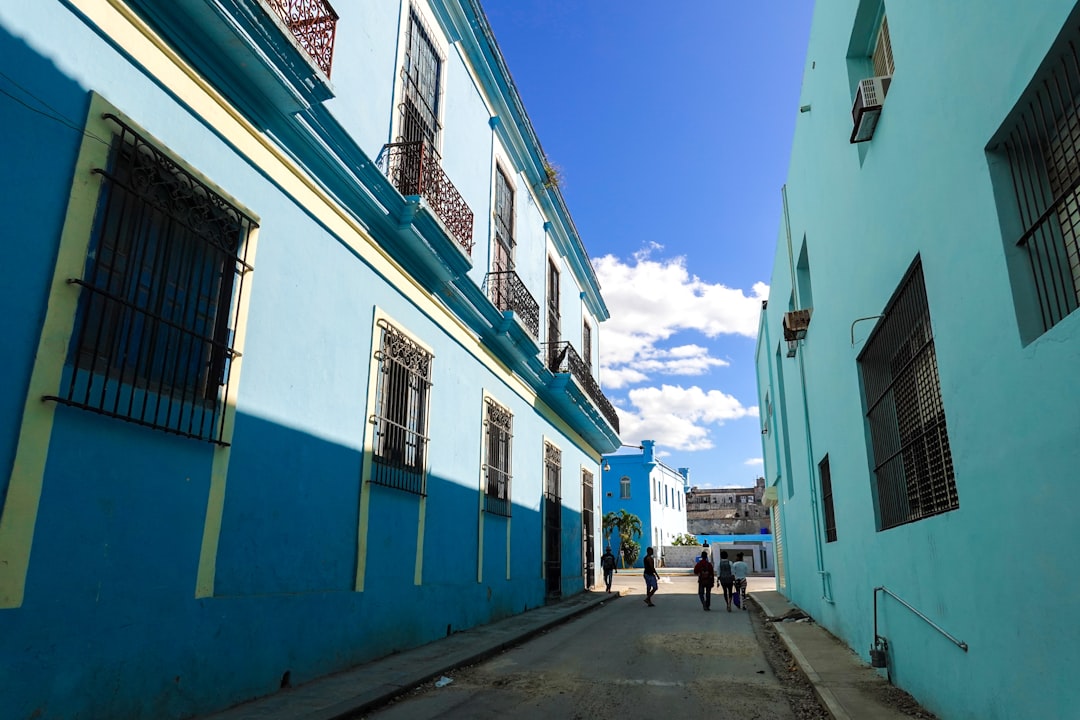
553, 175
685, 539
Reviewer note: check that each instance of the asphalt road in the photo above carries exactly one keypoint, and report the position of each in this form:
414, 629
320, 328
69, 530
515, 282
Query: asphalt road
624, 659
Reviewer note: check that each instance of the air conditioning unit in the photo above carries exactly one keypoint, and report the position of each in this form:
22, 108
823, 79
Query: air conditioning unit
869, 98
795, 324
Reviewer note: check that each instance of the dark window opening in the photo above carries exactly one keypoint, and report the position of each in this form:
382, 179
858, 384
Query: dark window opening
499, 423
913, 465
153, 339
401, 412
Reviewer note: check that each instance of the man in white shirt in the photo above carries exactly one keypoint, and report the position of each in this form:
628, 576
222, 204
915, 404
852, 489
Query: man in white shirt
739, 570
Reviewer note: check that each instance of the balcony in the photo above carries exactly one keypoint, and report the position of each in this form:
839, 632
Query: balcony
508, 293
313, 23
563, 358
414, 169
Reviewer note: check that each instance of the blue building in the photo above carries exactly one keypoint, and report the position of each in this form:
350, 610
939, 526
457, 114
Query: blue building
301, 349
644, 486
916, 356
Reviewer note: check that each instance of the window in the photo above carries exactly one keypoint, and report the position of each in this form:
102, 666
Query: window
421, 75
1042, 147
401, 412
504, 223
554, 331
882, 56
827, 500
913, 466
586, 344
499, 423
153, 337
624, 488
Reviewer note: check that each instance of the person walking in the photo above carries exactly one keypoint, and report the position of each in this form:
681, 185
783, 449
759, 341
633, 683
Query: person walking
704, 571
739, 569
607, 564
651, 577
725, 578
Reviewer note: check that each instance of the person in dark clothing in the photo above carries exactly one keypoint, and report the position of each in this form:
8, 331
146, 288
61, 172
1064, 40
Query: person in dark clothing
704, 571
607, 564
725, 578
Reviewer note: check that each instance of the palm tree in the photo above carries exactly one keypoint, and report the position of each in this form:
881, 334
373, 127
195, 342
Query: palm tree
628, 526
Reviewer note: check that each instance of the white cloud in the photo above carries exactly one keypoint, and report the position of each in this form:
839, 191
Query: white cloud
678, 417
651, 300
754, 461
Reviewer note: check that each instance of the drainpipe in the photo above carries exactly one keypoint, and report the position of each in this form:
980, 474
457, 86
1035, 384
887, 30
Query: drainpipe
814, 505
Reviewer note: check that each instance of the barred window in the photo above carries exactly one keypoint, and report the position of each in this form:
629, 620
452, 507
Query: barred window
401, 412
499, 424
504, 223
421, 75
913, 465
624, 488
827, 500
1042, 146
586, 344
153, 338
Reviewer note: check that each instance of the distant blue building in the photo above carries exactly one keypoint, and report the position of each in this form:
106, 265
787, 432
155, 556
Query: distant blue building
298, 371
917, 355
643, 485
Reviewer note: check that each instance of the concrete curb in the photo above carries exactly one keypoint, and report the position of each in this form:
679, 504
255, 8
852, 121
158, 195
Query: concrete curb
824, 694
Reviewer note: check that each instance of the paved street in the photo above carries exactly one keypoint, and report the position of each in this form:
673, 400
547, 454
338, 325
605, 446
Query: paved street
623, 659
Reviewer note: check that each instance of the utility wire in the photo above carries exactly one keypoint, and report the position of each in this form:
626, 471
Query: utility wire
55, 115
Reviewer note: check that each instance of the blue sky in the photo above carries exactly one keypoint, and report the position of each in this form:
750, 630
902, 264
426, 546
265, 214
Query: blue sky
671, 124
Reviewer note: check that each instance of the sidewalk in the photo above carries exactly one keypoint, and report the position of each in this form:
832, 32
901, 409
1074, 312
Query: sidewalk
349, 693
847, 687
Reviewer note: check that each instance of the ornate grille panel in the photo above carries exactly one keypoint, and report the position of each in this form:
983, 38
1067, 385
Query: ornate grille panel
153, 339
413, 168
1043, 149
563, 358
500, 434
313, 23
552, 520
401, 412
913, 463
508, 293
827, 500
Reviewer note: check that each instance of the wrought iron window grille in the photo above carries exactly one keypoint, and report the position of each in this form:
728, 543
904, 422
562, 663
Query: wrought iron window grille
402, 400
562, 358
1043, 150
422, 78
153, 340
913, 466
508, 293
314, 25
499, 424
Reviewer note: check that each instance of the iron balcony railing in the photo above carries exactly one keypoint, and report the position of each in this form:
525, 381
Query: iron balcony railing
508, 292
414, 169
313, 23
563, 358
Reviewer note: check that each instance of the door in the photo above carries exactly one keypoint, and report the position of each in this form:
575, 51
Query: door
552, 521
588, 526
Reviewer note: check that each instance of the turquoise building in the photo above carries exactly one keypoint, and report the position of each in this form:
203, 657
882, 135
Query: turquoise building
916, 355
641, 484
301, 349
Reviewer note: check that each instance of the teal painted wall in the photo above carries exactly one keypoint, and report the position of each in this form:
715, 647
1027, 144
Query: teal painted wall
922, 187
110, 626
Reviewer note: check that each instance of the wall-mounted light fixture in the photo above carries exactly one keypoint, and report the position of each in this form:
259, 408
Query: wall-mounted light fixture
607, 466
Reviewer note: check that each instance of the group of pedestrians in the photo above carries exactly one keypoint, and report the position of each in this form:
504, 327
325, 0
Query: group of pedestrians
731, 576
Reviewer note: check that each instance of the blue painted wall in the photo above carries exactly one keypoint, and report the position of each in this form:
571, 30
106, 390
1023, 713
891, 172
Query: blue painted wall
924, 187
109, 625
